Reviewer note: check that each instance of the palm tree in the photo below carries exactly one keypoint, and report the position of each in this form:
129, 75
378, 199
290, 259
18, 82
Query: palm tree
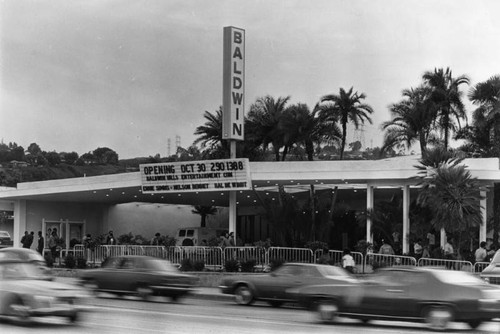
447, 97
265, 116
345, 107
204, 211
301, 126
210, 135
451, 194
411, 120
487, 95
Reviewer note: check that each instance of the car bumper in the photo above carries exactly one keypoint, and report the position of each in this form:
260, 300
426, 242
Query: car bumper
58, 311
172, 290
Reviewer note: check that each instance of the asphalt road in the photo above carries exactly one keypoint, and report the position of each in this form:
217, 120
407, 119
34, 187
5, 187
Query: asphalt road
196, 315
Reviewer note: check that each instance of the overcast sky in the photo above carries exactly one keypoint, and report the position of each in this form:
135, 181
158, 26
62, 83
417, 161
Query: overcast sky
130, 74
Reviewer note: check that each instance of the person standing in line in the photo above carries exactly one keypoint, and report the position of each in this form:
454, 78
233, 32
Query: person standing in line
24, 240
110, 239
386, 248
31, 238
418, 249
348, 261
156, 240
41, 243
481, 252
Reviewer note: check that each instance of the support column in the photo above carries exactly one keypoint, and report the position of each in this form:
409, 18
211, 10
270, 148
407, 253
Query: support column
484, 212
232, 198
19, 221
442, 240
369, 211
406, 219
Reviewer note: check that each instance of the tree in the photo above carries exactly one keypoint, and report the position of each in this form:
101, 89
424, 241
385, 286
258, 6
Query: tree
70, 157
204, 211
53, 158
487, 95
105, 156
265, 118
451, 194
34, 149
344, 108
447, 97
210, 135
411, 120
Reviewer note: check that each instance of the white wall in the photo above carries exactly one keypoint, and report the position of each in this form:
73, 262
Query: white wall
147, 219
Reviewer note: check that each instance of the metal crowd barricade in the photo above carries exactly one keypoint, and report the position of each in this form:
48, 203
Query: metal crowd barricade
286, 254
245, 254
480, 266
374, 261
448, 264
79, 251
174, 254
154, 251
211, 256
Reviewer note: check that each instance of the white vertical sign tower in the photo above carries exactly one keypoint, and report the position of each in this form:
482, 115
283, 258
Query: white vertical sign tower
233, 100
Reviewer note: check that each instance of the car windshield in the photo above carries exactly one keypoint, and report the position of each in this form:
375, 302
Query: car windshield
4, 234
14, 270
457, 277
332, 271
496, 258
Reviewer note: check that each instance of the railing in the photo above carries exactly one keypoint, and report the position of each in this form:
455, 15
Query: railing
449, 264
216, 257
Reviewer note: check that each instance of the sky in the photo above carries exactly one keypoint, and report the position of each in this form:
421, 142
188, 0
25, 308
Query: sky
76, 75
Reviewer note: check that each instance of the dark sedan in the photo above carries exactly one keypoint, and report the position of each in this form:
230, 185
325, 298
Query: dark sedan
140, 275
272, 287
5, 239
436, 296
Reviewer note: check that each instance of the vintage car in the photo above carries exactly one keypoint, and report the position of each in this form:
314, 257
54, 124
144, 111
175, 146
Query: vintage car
143, 276
25, 292
272, 287
26, 255
491, 273
436, 296
5, 239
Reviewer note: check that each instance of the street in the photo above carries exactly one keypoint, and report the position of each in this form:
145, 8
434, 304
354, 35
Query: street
193, 315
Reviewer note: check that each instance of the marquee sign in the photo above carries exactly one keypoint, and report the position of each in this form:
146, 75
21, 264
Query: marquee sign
233, 90
192, 176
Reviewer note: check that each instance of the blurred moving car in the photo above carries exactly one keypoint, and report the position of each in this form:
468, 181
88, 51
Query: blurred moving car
5, 239
26, 255
491, 273
272, 287
436, 296
144, 276
25, 292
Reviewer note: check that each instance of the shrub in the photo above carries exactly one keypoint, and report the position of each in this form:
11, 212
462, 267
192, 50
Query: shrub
49, 260
199, 265
213, 241
231, 266
248, 266
186, 265
168, 241
69, 261
315, 245
275, 263
81, 263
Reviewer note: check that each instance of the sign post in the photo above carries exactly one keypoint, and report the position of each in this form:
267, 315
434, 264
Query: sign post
233, 100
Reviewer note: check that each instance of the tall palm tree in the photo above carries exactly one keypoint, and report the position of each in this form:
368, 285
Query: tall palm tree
210, 134
301, 126
447, 97
204, 211
487, 95
345, 107
411, 120
265, 116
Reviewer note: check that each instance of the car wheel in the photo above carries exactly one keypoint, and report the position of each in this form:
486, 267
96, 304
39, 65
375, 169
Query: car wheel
15, 308
275, 303
438, 317
243, 295
474, 323
327, 310
144, 291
